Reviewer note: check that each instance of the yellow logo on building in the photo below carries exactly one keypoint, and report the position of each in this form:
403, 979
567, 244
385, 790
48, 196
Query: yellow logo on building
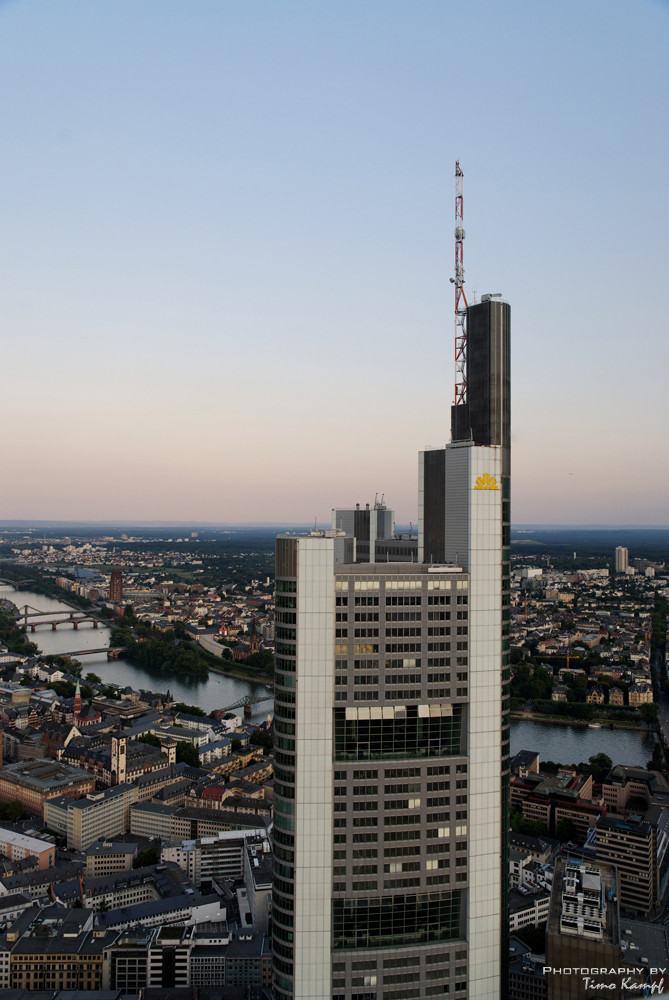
486, 482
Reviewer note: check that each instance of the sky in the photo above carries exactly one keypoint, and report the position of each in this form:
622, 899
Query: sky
227, 238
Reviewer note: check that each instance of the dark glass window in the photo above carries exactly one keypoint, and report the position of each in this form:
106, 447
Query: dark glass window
396, 920
378, 739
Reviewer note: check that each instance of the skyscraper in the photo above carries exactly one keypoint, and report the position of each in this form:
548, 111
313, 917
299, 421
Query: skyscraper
391, 753
622, 559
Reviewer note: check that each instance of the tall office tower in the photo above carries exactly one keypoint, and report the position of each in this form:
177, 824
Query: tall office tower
464, 517
391, 751
622, 559
116, 585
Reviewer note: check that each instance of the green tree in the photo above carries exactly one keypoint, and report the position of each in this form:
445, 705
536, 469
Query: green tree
149, 738
600, 766
188, 754
261, 738
181, 706
566, 830
648, 712
150, 856
64, 689
657, 761
263, 660
15, 811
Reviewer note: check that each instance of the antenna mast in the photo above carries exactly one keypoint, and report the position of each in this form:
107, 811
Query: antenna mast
460, 297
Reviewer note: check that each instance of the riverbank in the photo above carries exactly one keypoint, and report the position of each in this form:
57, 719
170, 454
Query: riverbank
563, 720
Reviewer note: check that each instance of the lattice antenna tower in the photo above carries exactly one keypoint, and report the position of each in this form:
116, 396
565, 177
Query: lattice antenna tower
460, 298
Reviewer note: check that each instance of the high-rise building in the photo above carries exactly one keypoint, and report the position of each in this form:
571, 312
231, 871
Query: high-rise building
391, 727
116, 585
622, 559
373, 529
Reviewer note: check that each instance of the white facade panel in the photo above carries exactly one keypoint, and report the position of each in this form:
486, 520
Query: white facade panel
314, 785
473, 538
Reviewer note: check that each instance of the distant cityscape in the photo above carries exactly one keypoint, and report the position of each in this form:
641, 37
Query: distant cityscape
143, 822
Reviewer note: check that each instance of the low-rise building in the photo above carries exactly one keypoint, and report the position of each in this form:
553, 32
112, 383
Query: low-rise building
640, 694
35, 782
54, 949
17, 847
616, 697
105, 856
527, 907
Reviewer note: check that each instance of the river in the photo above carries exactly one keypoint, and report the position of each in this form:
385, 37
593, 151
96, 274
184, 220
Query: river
215, 692
573, 744
566, 744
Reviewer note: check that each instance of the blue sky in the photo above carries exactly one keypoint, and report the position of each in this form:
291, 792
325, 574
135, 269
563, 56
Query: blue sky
228, 233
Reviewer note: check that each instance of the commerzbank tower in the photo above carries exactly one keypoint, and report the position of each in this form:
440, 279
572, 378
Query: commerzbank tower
391, 724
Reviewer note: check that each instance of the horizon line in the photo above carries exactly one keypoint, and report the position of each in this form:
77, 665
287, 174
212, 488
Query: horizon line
519, 526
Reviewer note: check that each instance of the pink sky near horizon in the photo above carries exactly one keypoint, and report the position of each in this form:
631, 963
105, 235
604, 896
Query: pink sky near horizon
228, 243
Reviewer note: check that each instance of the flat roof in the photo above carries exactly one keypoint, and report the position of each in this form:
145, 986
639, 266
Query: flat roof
32, 844
43, 775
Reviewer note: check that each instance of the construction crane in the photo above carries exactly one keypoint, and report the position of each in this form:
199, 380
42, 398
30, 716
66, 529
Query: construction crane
460, 298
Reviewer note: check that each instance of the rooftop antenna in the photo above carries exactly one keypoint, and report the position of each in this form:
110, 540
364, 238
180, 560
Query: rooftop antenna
460, 298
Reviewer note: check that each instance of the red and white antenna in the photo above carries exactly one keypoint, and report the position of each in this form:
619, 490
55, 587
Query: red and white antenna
460, 297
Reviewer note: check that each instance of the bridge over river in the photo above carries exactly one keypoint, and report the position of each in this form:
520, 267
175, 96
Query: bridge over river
73, 618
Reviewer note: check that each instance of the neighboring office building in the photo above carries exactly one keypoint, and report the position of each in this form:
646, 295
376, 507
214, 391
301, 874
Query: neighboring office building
129, 888
150, 819
389, 859
551, 799
583, 929
189, 908
638, 848
202, 956
527, 980
258, 871
632, 787
98, 816
221, 857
